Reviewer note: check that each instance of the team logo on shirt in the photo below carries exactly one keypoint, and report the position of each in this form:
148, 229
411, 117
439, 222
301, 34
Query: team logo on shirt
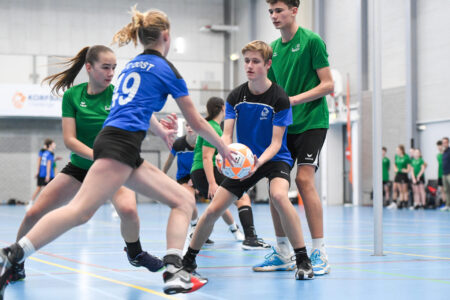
296, 48
83, 104
275, 54
107, 107
264, 113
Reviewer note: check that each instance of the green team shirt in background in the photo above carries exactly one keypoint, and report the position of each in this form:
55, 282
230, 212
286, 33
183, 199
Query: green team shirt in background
417, 165
89, 112
402, 162
198, 153
294, 66
386, 166
440, 170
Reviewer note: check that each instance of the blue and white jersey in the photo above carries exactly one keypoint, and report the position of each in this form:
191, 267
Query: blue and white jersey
185, 156
46, 156
143, 87
256, 115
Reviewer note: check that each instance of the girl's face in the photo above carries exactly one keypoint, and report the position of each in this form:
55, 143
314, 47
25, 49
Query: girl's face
416, 153
166, 38
101, 72
399, 151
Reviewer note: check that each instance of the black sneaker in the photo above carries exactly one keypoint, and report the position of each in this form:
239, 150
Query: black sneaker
18, 272
253, 243
191, 234
5, 270
304, 270
144, 259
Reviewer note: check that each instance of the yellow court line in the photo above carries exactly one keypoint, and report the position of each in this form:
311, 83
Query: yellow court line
105, 278
391, 252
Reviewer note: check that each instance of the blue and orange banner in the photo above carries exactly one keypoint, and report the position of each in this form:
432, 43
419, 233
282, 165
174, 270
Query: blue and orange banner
28, 100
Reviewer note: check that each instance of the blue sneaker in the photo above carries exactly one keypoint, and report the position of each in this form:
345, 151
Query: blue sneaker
275, 262
152, 263
319, 261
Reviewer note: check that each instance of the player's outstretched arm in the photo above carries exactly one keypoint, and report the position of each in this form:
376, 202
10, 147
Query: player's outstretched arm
201, 126
228, 130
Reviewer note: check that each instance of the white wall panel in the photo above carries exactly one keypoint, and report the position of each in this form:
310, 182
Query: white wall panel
433, 50
341, 38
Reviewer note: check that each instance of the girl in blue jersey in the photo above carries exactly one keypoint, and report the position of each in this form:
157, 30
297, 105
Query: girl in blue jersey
45, 167
143, 87
80, 125
266, 106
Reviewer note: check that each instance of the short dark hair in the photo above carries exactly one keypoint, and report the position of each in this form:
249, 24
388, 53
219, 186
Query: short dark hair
384, 148
48, 142
439, 143
445, 138
290, 3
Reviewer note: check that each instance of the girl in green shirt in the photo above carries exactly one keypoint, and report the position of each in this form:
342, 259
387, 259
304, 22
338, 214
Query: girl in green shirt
418, 179
84, 109
402, 168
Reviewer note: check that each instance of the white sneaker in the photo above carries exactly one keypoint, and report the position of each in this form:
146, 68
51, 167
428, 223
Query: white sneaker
445, 208
238, 235
393, 205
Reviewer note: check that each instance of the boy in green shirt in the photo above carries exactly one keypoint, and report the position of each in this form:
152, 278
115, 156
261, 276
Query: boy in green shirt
300, 66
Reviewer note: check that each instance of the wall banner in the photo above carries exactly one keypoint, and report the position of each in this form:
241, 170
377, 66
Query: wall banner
28, 100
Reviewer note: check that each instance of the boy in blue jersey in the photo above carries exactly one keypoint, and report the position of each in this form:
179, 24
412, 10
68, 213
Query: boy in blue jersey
266, 106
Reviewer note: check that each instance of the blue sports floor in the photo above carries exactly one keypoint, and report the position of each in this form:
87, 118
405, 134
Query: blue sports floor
88, 262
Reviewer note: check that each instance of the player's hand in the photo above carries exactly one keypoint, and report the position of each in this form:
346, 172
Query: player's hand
168, 136
212, 190
257, 165
47, 179
227, 154
172, 123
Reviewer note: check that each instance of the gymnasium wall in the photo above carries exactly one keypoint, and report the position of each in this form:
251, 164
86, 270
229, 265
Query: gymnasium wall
34, 32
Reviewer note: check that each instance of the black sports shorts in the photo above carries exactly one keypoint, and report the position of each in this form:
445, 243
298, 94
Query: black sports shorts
121, 145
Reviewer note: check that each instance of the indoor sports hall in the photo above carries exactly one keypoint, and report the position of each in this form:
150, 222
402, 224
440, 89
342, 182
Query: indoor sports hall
354, 94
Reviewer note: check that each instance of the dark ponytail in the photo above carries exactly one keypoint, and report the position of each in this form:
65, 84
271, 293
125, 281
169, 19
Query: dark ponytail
214, 107
64, 80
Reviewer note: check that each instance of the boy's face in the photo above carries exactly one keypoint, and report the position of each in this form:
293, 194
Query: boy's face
254, 65
282, 16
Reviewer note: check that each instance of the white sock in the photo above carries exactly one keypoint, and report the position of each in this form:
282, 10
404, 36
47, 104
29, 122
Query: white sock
194, 222
27, 247
318, 244
177, 252
233, 226
283, 246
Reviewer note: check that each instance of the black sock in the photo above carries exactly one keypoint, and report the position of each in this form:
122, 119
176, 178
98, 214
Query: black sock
134, 249
190, 255
300, 255
246, 218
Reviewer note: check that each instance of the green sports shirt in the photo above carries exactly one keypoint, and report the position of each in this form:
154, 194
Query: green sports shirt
386, 166
402, 162
89, 112
440, 169
198, 150
294, 66
417, 165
